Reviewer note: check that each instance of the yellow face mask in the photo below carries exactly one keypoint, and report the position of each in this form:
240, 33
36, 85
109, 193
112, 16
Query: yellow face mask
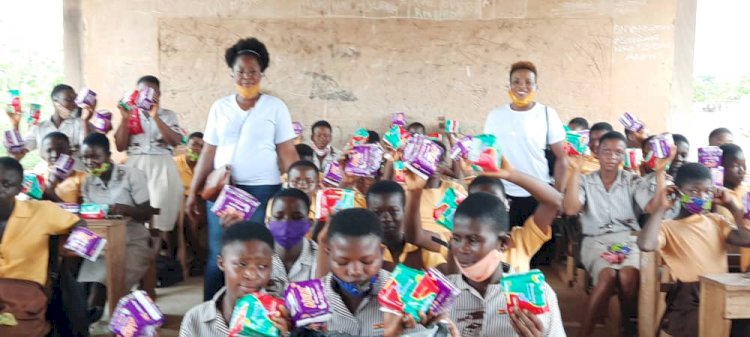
519, 102
248, 93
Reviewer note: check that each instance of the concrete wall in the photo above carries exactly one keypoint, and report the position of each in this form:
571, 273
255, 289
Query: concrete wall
354, 62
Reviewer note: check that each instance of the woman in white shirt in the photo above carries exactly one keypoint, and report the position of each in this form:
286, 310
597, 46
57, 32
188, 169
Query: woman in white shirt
517, 126
252, 133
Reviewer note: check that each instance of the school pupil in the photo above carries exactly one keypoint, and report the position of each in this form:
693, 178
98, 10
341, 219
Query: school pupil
67, 190
25, 235
608, 212
523, 241
186, 162
124, 189
720, 136
304, 151
353, 241
733, 161
694, 243
590, 161
480, 239
682, 146
246, 259
416, 128
387, 200
321, 138
578, 124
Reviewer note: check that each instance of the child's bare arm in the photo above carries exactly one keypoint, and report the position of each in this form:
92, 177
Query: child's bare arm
648, 239
739, 236
413, 231
550, 200
571, 204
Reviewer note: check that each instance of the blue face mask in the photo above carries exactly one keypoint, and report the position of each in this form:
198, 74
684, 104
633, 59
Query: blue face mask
354, 289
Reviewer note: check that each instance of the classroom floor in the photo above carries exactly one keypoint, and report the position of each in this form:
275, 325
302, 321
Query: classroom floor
175, 301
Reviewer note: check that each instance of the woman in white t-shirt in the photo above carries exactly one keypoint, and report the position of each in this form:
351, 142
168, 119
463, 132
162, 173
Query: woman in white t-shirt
250, 131
525, 128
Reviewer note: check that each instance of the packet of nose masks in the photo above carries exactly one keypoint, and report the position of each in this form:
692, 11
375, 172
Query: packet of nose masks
631, 122
482, 152
128, 103
70, 207
103, 121
330, 200
233, 198
422, 156
360, 136
85, 243
660, 145
33, 114
408, 291
576, 142
32, 185
94, 211
333, 174
396, 136
526, 290
398, 118
364, 160
710, 156
452, 126
250, 317
86, 98
399, 175
446, 209
298, 128
307, 302
13, 141
633, 159
63, 167
136, 315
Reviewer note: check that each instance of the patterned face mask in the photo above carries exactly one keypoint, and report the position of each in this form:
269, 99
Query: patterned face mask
696, 205
99, 170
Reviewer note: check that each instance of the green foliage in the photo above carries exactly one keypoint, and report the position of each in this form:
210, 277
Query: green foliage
711, 89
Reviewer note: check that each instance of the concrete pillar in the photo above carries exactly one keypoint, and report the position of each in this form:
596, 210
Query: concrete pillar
72, 42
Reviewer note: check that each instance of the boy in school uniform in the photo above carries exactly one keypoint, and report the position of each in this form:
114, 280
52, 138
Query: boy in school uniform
694, 243
68, 190
645, 194
353, 241
480, 238
608, 215
246, 259
733, 161
25, 228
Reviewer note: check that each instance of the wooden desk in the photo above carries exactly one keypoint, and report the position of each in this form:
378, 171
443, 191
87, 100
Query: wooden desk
114, 254
723, 297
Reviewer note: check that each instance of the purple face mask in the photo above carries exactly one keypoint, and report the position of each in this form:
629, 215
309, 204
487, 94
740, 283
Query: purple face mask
288, 233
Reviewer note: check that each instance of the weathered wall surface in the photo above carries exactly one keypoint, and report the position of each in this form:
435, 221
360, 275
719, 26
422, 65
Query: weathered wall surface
354, 62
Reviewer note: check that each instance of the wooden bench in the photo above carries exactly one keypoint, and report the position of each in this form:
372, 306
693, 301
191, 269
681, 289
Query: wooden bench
723, 297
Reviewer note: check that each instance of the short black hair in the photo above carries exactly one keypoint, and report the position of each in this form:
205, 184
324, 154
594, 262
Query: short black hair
12, 164
293, 193
385, 187
678, 138
57, 135
416, 125
487, 207
602, 126
303, 150
691, 172
580, 121
150, 79
487, 180
373, 137
527, 65
304, 163
613, 135
247, 231
321, 124
718, 132
196, 134
355, 222
251, 47
60, 88
97, 139
729, 153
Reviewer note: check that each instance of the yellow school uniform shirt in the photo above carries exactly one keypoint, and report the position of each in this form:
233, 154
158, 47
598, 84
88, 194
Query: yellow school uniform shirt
24, 249
186, 173
737, 194
69, 190
527, 240
429, 259
431, 198
694, 246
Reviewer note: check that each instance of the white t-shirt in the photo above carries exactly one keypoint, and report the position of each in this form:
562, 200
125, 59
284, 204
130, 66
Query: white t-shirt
247, 139
523, 136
